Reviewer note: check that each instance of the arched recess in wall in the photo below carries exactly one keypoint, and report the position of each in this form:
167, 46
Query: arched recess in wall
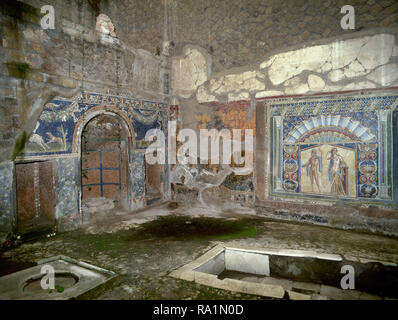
93, 112
330, 128
104, 140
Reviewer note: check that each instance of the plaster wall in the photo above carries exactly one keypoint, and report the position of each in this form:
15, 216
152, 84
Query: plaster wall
359, 67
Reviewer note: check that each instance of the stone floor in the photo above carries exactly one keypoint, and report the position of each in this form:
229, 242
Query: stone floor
143, 265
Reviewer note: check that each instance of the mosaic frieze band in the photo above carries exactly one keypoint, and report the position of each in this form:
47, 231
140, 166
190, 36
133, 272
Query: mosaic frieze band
54, 132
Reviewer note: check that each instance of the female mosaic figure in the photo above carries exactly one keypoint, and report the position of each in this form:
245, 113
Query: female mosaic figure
337, 174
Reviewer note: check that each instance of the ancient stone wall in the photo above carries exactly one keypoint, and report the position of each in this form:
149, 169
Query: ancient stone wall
57, 139
238, 33
235, 33
44, 79
37, 64
230, 63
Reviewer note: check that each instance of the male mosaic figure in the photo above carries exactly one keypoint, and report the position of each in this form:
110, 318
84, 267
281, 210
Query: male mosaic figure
336, 172
314, 166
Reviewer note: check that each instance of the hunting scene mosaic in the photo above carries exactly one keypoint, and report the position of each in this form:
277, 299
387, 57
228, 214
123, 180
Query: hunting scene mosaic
54, 132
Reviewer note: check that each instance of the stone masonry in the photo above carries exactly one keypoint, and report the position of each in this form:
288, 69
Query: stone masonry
37, 64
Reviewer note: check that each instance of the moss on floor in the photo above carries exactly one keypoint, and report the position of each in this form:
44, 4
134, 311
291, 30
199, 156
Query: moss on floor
143, 256
187, 227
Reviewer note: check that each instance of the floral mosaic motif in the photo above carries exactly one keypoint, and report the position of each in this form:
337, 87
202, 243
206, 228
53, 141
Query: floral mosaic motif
67, 188
122, 102
147, 117
138, 174
368, 170
157, 119
290, 168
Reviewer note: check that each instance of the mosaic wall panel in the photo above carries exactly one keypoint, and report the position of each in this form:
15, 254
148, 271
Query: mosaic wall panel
137, 169
53, 134
138, 173
6, 196
333, 148
67, 191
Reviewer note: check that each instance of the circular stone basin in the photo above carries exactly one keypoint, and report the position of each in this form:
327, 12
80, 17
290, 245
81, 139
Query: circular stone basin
63, 280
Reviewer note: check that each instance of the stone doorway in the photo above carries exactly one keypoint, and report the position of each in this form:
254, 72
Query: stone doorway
104, 166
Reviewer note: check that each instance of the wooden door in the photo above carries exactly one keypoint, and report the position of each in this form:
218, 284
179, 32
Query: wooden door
35, 196
101, 172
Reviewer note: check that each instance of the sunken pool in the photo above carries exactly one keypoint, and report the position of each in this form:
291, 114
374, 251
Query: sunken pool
291, 274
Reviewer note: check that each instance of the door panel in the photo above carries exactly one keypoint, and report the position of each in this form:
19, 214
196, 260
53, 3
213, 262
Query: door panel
101, 176
47, 203
35, 196
104, 160
25, 192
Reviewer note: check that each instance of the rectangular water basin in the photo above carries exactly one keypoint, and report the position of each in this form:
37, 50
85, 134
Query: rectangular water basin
292, 274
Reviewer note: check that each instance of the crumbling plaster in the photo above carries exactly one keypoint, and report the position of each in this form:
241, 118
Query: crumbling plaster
190, 70
366, 61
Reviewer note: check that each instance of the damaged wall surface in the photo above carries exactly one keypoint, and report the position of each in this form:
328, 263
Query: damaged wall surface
58, 136
361, 129
321, 102
38, 65
239, 33
362, 62
6, 197
46, 80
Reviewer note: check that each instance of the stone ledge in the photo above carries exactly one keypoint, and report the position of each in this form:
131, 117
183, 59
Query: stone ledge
298, 296
261, 289
337, 214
